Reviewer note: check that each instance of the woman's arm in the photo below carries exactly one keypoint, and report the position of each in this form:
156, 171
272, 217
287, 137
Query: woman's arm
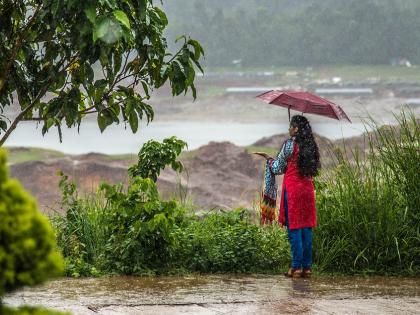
278, 166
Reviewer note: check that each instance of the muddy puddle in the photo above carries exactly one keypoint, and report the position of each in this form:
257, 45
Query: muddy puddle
226, 294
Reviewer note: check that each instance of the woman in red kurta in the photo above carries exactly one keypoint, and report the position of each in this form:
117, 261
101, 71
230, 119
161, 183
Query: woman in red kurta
298, 160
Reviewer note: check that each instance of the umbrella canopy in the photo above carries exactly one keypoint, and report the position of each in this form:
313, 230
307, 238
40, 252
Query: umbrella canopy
304, 102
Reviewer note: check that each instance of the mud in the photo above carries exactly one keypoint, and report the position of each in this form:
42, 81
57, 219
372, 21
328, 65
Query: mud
226, 294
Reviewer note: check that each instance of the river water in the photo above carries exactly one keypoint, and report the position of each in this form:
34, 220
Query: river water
226, 294
117, 140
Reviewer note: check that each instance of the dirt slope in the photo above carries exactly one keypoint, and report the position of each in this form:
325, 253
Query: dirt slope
215, 175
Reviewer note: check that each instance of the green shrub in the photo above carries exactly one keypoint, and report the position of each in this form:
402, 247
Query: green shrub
368, 207
228, 242
117, 232
26, 310
114, 231
141, 228
137, 233
28, 253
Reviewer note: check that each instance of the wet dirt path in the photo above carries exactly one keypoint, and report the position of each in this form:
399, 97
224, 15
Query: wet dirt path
226, 294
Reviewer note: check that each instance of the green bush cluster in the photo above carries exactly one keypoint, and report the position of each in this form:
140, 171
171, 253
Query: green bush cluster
368, 207
140, 228
28, 250
137, 233
230, 242
28, 253
117, 232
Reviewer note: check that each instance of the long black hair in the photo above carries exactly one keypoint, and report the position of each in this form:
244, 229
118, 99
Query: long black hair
308, 159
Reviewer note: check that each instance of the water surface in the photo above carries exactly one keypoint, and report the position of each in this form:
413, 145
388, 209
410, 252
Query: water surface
116, 139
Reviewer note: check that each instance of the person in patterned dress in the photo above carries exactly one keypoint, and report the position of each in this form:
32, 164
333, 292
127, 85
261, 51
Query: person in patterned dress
299, 161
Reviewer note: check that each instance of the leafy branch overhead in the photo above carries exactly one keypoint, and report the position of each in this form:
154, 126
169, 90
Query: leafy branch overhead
66, 59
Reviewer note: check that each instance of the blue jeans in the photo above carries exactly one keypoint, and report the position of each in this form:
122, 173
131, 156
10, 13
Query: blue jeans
300, 242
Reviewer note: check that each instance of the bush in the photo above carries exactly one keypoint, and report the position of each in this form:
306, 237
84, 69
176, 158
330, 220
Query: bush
368, 208
28, 253
228, 242
141, 229
137, 233
124, 233
128, 233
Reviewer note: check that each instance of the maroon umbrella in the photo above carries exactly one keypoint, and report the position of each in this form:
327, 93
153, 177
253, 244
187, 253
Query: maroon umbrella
304, 102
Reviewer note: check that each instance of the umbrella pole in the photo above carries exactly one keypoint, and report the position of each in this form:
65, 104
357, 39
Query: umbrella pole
288, 109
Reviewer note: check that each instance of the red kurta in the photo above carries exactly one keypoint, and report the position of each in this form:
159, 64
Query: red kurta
300, 196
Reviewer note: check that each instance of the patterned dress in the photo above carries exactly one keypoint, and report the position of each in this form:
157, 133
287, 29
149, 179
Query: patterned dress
299, 189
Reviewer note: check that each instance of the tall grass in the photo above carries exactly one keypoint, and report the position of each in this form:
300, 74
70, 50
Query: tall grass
82, 234
369, 206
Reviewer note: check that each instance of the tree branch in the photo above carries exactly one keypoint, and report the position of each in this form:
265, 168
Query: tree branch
19, 118
29, 108
33, 119
17, 46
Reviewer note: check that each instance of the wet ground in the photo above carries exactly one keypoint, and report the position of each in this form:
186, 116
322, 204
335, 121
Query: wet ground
226, 294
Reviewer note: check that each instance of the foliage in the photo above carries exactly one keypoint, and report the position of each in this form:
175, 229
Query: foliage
80, 234
28, 253
229, 242
140, 234
300, 33
140, 228
127, 233
27, 310
154, 156
66, 59
368, 210
136, 219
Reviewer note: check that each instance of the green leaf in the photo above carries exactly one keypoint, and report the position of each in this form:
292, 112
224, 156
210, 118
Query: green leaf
122, 18
181, 37
117, 61
162, 16
198, 65
50, 122
106, 118
145, 88
198, 49
134, 122
194, 91
102, 28
91, 14
102, 122
3, 125
105, 32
